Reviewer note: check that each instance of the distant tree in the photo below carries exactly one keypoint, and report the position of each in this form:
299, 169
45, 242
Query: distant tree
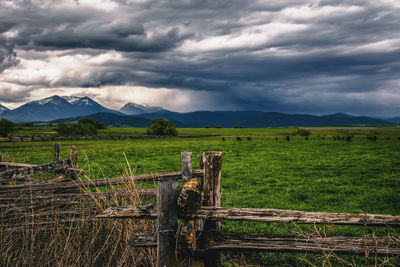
303, 132
84, 126
27, 124
238, 126
87, 120
207, 126
162, 126
6, 127
218, 126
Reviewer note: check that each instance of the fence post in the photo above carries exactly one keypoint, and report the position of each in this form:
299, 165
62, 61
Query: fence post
57, 151
212, 162
73, 156
186, 160
167, 222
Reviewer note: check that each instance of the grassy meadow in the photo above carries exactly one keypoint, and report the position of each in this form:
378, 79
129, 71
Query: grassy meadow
319, 174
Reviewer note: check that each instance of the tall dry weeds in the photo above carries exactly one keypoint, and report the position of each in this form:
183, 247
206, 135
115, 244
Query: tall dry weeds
60, 229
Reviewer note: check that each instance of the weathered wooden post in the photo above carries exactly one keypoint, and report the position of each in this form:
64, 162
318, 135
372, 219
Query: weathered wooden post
167, 221
212, 162
201, 163
73, 156
57, 152
186, 161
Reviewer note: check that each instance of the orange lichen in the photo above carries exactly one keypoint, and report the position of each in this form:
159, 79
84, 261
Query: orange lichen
192, 185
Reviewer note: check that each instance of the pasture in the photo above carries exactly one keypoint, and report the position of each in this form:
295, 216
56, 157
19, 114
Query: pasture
318, 174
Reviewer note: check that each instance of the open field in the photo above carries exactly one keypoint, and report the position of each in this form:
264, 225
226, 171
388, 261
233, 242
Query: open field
319, 174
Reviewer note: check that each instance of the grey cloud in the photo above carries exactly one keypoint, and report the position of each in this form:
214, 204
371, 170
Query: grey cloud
8, 56
8, 95
316, 69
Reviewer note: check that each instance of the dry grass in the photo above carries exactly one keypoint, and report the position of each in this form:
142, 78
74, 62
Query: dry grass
62, 230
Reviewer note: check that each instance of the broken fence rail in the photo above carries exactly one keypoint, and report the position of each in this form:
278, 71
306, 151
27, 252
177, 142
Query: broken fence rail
221, 241
79, 184
149, 211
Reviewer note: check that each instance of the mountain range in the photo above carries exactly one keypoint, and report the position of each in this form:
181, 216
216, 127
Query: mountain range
3, 109
69, 108
136, 109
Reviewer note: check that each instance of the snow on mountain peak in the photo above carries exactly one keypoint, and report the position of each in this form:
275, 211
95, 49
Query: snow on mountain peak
135, 109
3, 108
48, 100
71, 99
76, 100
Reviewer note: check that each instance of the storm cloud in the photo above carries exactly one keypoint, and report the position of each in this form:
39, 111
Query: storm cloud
290, 56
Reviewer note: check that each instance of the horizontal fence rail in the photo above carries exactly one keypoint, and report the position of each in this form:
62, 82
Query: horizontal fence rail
220, 241
79, 184
24, 172
261, 215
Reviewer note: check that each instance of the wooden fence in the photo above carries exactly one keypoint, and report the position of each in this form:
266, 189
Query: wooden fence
199, 238
26, 200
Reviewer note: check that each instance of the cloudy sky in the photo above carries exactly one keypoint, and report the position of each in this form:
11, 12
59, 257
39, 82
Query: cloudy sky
292, 56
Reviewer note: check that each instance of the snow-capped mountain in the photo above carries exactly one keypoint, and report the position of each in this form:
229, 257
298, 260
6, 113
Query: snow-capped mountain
55, 107
3, 109
135, 109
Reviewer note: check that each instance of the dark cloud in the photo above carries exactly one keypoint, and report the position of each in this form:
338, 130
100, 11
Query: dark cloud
7, 95
292, 56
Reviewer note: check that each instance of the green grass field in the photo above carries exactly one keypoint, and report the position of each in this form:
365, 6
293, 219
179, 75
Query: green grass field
319, 174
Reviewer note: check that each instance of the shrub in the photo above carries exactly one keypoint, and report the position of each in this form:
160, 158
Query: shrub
84, 126
218, 126
207, 126
90, 121
303, 132
238, 126
6, 127
162, 126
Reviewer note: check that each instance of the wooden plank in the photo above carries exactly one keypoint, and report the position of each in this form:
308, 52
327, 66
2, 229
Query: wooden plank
222, 241
9, 175
167, 222
30, 201
11, 165
212, 162
301, 217
276, 215
147, 211
383, 246
82, 185
56, 154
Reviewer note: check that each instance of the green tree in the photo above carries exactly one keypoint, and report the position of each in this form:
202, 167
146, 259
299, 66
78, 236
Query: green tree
162, 126
303, 132
6, 127
84, 126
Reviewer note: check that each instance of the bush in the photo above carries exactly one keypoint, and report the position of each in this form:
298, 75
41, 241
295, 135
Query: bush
303, 132
218, 126
207, 126
6, 127
162, 126
84, 126
96, 124
238, 126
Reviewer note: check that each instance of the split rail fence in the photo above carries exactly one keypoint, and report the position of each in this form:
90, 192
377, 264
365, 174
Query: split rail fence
198, 238
188, 218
